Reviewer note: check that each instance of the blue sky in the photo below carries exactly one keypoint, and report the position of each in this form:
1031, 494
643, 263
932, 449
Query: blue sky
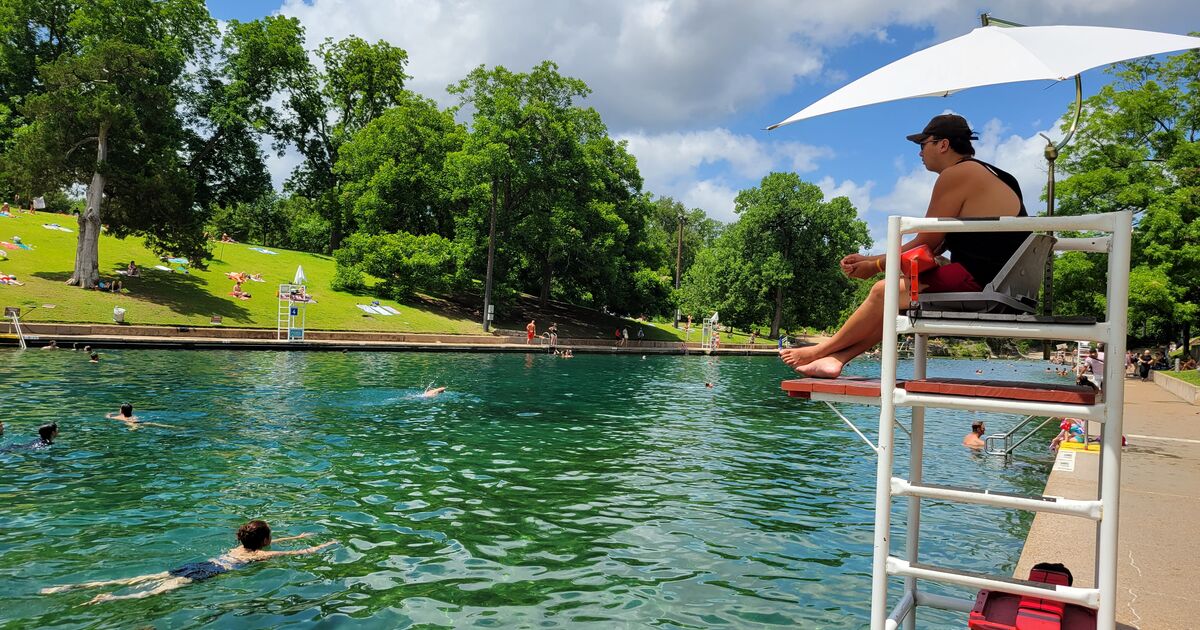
691, 84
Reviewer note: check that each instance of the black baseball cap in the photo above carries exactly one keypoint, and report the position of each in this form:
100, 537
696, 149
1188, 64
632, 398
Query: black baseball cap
945, 126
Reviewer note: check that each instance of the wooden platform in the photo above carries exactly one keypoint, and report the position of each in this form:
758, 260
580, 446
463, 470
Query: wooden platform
1005, 390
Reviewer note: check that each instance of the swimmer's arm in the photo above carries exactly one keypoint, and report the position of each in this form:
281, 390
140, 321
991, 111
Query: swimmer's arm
158, 424
263, 555
296, 537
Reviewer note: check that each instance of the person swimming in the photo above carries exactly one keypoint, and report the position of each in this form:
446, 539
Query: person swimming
46, 435
432, 391
253, 539
126, 415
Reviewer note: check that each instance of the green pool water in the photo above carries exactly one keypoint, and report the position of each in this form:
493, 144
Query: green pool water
600, 491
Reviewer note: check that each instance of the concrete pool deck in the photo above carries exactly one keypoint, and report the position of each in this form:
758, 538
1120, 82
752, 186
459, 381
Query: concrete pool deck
112, 336
1158, 577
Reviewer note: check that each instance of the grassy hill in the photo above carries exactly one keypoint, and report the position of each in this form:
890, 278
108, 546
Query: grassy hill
164, 297
192, 299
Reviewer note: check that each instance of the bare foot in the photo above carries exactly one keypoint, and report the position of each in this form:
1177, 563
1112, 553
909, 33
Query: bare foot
825, 367
795, 357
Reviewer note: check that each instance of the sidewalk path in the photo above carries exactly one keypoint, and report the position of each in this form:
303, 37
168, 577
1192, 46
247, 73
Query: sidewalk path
1158, 577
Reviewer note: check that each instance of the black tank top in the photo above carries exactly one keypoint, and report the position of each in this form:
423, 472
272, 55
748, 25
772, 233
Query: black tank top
985, 253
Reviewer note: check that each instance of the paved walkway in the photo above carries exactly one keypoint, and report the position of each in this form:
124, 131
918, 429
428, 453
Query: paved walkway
1158, 577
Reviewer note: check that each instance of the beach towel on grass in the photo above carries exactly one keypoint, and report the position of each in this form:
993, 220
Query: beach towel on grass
366, 309
55, 226
263, 251
390, 310
162, 268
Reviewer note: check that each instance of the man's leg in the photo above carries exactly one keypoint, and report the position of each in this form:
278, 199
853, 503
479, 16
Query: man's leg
831, 366
865, 323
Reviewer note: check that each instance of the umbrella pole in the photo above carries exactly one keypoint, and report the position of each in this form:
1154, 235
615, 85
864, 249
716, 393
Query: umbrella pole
1052, 150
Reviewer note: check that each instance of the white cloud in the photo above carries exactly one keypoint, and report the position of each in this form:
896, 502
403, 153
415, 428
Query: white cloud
674, 164
715, 198
651, 64
858, 194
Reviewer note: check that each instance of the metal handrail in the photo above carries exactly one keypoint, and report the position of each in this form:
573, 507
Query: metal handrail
1009, 446
20, 335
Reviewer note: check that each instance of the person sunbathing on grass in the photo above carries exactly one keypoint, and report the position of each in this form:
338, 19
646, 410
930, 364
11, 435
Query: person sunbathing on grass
7, 279
965, 188
131, 421
253, 539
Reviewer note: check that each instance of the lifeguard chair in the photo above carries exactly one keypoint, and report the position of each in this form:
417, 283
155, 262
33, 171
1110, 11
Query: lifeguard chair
996, 312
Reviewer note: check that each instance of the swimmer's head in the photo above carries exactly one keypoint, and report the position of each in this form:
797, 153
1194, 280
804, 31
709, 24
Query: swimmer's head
977, 427
48, 431
95, 358
254, 535
127, 410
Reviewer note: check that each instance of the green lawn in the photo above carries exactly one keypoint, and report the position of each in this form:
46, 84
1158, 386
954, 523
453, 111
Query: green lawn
1189, 376
161, 297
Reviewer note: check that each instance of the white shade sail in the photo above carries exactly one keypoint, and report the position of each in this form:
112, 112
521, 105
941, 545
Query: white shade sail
992, 55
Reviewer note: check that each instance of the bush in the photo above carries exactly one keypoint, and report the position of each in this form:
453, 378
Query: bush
402, 261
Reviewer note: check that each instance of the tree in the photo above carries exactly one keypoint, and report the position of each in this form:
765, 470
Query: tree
1137, 149
326, 108
394, 170
117, 85
779, 261
558, 199
170, 143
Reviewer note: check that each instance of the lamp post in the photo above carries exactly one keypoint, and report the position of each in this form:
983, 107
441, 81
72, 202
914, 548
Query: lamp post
678, 260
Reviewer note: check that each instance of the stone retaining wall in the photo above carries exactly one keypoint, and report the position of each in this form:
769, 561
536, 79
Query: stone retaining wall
1188, 392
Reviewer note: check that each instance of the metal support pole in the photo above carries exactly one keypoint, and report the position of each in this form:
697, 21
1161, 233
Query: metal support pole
487, 283
678, 260
887, 418
916, 454
1114, 403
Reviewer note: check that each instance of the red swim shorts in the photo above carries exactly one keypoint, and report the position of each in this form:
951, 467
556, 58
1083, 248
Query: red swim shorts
951, 278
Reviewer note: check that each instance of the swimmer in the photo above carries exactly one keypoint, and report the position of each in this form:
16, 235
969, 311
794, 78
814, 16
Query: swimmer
95, 358
433, 391
53, 345
253, 538
708, 385
974, 439
126, 415
46, 435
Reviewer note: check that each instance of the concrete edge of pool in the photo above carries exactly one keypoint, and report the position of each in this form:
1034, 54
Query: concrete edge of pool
114, 336
1160, 513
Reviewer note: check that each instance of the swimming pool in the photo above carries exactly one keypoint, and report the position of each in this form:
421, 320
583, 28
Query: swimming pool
537, 491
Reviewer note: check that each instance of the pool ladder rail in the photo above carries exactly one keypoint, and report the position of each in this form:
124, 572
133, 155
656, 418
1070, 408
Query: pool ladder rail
1033, 400
16, 324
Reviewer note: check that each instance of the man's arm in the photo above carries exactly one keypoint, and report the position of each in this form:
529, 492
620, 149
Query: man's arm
295, 552
296, 537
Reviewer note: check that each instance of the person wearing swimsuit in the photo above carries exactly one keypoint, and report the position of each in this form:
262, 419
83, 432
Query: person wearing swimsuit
253, 538
965, 188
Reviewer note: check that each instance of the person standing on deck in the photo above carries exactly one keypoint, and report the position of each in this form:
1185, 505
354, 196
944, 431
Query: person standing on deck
530, 331
965, 188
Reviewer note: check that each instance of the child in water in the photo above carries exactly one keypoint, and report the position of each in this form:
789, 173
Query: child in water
253, 539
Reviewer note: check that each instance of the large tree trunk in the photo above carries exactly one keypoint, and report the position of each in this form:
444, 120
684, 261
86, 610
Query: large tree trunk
778, 319
87, 249
547, 275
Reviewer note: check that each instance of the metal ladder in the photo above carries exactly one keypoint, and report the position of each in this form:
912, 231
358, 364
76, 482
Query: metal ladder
1107, 410
1003, 444
16, 322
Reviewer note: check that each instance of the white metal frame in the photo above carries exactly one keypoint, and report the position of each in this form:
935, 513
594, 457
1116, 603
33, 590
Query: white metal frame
286, 321
1109, 412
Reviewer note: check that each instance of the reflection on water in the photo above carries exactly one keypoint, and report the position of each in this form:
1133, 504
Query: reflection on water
536, 491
